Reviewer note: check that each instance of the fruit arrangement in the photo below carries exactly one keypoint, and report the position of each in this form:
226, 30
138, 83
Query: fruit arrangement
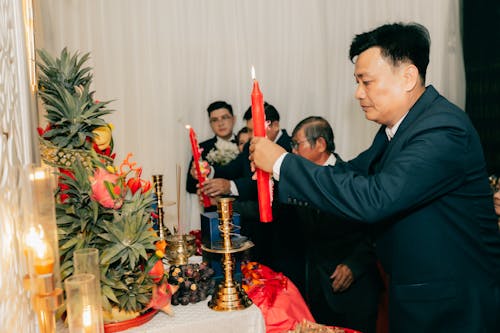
194, 280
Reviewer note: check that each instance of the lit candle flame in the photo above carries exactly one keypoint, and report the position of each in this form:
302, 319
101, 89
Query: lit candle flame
41, 250
38, 174
253, 73
87, 318
188, 126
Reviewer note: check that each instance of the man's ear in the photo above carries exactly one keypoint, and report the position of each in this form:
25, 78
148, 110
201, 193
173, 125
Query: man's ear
320, 144
411, 77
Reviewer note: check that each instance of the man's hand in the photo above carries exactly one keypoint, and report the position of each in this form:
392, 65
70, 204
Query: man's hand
216, 187
342, 278
264, 153
213, 200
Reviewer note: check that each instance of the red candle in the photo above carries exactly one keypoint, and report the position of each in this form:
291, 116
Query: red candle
197, 159
259, 129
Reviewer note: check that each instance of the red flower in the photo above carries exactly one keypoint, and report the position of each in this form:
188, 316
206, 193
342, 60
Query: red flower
64, 196
135, 184
42, 131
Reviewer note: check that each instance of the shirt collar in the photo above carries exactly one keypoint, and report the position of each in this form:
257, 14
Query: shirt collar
391, 132
232, 139
331, 160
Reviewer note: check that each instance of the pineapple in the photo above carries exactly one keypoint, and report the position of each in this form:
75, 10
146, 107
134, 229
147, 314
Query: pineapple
64, 87
123, 235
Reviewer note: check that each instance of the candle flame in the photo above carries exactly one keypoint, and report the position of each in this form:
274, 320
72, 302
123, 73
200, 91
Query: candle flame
33, 238
38, 248
87, 317
188, 126
253, 73
38, 174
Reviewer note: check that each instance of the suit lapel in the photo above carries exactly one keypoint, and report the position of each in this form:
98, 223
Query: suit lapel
415, 112
378, 148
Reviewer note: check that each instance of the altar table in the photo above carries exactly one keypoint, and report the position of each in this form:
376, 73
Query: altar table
199, 317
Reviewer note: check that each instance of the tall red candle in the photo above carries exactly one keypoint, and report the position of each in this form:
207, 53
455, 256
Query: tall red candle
259, 129
197, 158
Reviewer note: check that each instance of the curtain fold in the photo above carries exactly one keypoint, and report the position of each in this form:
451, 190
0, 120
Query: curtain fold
164, 61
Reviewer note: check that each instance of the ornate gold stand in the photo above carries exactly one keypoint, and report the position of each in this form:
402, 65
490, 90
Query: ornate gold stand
158, 185
46, 300
230, 295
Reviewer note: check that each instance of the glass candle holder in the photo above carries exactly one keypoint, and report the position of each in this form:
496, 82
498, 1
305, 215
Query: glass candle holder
86, 260
82, 304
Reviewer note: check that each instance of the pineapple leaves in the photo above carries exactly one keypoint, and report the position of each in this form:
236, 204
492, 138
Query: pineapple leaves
124, 235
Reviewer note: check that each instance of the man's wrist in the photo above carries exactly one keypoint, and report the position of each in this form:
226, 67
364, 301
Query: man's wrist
233, 189
277, 166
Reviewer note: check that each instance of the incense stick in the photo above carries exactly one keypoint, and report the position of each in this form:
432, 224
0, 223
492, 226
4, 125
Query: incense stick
178, 172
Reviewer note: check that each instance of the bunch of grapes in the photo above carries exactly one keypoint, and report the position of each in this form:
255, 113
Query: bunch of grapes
194, 280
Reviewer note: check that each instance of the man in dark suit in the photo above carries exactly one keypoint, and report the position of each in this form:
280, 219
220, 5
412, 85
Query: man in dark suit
235, 179
423, 183
222, 120
331, 262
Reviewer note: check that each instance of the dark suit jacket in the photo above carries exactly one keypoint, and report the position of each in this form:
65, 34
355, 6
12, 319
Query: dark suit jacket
239, 170
427, 190
207, 146
309, 246
246, 204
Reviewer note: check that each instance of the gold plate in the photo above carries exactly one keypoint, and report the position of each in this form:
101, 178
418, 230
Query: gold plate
244, 246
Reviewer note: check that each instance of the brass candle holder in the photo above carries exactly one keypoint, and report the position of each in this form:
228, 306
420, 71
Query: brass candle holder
229, 295
180, 248
158, 188
46, 299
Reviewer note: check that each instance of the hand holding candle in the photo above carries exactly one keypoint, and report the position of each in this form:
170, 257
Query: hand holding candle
197, 162
259, 130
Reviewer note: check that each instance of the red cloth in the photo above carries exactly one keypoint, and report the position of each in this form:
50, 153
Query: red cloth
277, 297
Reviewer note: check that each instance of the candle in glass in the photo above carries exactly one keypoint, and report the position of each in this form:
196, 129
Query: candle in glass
40, 250
44, 259
197, 161
82, 304
259, 130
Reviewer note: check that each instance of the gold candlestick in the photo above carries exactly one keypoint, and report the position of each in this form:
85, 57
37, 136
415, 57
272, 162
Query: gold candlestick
158, 186
230, 295
46, 299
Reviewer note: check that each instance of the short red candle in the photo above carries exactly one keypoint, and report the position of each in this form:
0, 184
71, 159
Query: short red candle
197, 158
259, 130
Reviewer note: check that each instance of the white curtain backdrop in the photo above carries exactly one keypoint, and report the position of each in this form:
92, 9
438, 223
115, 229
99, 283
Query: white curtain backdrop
164, 61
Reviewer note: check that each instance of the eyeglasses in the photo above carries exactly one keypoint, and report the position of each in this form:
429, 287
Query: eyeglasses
221, 119
295, 144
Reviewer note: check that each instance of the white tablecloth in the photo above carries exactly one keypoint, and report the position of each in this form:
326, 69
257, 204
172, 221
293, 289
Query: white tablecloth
194, 318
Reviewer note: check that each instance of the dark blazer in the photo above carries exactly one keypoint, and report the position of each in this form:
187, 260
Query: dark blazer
239, 170
309, 246
246, 204
427, 192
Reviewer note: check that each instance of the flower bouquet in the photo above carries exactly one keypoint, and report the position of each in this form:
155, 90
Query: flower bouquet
99, 204
223, 152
